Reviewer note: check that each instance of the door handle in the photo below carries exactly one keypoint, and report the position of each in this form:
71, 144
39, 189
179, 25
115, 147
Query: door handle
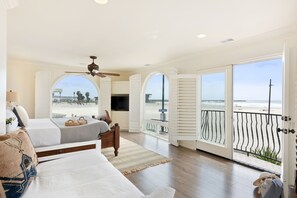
291, 131
285, 131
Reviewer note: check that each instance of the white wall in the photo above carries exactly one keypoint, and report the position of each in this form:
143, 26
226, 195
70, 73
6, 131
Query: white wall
21, 78
2, 68
4, 6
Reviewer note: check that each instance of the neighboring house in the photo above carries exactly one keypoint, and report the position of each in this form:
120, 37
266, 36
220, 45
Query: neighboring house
20, 75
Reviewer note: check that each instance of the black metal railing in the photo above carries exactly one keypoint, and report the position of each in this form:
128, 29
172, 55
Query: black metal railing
213, 126
252, 132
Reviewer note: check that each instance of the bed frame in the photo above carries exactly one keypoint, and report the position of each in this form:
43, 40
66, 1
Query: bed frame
111, 138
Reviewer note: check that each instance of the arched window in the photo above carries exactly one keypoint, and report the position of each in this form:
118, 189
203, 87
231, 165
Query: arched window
156, 106
74, 96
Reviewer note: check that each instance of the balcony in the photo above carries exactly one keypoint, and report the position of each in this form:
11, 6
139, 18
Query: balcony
157, 128
255, 138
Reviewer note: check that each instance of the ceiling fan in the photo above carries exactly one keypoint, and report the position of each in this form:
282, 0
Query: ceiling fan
94, 70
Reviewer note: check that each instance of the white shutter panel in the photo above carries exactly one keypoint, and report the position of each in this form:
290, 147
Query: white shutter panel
186, 128
104, 95
172, 124
42, 94
134, 103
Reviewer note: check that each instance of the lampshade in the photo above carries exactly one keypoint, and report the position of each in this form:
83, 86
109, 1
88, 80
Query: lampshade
12, 96
101, 1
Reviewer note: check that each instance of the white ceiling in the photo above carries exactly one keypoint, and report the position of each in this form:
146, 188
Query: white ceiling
127, 34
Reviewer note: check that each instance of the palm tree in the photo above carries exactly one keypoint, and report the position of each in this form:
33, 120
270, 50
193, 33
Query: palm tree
87, 94
80, 97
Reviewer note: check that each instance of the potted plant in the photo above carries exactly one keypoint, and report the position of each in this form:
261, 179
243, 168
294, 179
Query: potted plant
9, 123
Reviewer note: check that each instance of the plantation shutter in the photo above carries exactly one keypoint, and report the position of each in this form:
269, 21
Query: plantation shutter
134, 103
186, 103
43, 87
104, 95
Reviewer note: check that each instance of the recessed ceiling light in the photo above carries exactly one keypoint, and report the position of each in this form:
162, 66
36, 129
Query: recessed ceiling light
146, 65
101, 1
201, 35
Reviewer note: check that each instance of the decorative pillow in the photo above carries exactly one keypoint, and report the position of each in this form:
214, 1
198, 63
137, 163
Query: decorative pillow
23, 114
18, 161
14, 124
2, 193
20, 123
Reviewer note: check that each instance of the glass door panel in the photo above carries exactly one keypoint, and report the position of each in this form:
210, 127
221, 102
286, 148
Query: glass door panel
215, 112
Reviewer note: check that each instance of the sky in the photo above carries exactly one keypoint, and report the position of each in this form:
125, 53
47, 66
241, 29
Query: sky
76, 83
154, 87
251, 82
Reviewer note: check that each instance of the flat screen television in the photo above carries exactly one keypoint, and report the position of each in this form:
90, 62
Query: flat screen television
120, 103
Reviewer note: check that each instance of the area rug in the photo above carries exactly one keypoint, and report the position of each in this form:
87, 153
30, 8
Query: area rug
133, 157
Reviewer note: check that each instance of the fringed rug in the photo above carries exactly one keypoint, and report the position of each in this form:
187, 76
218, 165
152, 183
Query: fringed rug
133, 157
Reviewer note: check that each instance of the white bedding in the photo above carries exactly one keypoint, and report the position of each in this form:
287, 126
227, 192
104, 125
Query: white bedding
46, 132
43, 132
87, 174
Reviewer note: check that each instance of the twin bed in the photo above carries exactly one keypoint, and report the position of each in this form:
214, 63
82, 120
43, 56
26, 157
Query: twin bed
81, 174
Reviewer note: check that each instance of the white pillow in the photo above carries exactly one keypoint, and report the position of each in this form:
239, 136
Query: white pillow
23, 114
14, 124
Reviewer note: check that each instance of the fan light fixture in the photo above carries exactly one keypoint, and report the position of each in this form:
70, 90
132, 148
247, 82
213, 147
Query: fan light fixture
101, 1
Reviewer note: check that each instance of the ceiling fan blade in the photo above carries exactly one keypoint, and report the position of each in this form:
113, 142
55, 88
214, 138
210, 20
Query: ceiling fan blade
110, 74
70, 72
100, 75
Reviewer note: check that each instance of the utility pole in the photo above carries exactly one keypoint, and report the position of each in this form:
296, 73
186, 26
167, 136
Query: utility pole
163, 110
269, 101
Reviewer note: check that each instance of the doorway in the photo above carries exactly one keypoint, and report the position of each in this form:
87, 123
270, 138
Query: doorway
257, 112
215, 111
155, 109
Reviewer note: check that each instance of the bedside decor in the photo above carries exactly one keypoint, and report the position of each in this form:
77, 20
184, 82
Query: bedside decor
12, 97
11, 121
9, 124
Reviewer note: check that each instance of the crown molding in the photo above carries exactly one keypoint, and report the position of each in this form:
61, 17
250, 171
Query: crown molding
8, 4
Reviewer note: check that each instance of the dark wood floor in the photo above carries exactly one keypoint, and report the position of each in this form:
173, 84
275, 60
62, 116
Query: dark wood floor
192, 173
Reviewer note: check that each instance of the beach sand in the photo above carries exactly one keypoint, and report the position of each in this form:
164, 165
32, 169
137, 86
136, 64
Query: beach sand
152, 109
69, 110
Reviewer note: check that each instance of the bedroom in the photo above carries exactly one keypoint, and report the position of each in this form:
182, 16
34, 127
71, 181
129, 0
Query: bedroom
256, 45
